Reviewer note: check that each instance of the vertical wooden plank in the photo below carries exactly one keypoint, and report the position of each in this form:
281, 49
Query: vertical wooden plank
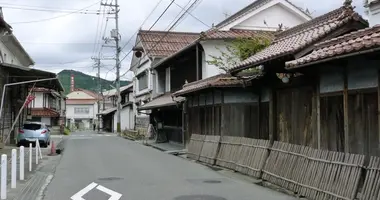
378, 107
213, 113
318, 101
345, 113
222, 115
258, 116
197, 62
272, 115
199, 118
184, 119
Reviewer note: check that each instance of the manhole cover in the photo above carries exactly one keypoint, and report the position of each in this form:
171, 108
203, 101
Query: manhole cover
199, 197
110, 179
212, 181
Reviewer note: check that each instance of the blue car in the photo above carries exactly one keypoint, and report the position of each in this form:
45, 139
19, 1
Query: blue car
33, 131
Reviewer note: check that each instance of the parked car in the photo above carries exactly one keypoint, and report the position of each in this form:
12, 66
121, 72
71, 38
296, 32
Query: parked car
33, 131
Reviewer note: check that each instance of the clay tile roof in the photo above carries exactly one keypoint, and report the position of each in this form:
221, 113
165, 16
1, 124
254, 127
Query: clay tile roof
218, 81
44, 112
162, 44
234, 33
350, 43
299, 37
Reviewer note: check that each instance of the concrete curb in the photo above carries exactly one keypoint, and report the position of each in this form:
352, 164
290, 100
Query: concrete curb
128, 138
60, 146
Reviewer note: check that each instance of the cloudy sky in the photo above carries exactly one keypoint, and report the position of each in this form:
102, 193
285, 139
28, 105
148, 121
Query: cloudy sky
61, 40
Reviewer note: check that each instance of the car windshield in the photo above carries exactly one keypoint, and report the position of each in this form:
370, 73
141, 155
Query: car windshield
32, 126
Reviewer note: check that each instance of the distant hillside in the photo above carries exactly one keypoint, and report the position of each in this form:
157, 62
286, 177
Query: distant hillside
84, 81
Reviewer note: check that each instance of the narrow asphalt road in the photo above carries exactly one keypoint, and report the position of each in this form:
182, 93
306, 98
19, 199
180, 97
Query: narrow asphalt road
138, 172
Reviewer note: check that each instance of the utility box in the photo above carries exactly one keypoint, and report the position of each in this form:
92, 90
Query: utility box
114, 33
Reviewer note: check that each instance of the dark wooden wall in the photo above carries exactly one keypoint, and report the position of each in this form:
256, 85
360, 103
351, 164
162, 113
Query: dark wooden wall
363, 123
332, 123
229, 119
295, 116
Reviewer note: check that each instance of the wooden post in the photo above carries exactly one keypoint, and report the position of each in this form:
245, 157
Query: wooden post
258, 115
378, 105
345, 113
213, 113
318, 102
197, 64
222, 115
184, 119
272, 115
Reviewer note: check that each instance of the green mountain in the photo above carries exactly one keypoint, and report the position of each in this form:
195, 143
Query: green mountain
85, 81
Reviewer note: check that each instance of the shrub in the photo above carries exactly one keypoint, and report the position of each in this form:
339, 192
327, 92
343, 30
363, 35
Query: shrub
66, 131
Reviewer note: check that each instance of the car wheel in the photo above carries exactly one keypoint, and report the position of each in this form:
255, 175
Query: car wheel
18, 144
43, 144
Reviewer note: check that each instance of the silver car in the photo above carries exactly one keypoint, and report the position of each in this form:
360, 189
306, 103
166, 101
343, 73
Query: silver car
33, 131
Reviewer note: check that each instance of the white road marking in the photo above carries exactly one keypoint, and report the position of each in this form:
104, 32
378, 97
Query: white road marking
114, 195
79, 195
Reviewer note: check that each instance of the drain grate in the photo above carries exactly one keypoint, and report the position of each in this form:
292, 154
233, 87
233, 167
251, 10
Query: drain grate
212, 181
199, 197
110, 179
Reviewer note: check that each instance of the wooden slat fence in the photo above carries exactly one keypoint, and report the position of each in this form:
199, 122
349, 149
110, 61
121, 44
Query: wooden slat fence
229, 152
195, 146
316, 174
371, 187
252, 156
210, 149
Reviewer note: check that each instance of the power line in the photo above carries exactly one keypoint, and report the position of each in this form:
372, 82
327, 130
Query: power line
52, 10
61, 43
186, 11
193, 16
97, 28
60, 16
146, 19
167, 32
178, 14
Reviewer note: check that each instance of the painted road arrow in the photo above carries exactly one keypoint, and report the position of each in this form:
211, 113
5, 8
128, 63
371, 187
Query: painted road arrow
79, 195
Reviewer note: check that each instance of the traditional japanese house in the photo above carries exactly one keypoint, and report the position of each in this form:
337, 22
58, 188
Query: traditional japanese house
281, 103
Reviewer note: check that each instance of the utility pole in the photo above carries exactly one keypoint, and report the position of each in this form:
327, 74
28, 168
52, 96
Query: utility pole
97, 63
115, 35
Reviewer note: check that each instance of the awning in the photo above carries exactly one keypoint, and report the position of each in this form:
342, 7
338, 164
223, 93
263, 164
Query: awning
108, 111
162, 101
20, 74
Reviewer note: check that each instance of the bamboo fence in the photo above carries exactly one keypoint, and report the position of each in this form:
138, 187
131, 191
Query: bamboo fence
195, 146
313, 173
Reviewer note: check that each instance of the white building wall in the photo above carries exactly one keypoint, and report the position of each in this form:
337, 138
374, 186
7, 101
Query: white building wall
38, 101
282, 16
273, 13
143, 68
167, 80
374, 14
212, 48
71, 114
46, 120
8, 56
79, 95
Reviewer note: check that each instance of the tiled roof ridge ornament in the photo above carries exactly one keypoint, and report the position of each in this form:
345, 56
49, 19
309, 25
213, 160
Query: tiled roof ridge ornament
280, 28
347, 3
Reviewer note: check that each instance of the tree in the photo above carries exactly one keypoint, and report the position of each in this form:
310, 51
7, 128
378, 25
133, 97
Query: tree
237, 51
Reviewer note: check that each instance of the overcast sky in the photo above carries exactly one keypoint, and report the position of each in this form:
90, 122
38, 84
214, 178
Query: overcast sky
68, 42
